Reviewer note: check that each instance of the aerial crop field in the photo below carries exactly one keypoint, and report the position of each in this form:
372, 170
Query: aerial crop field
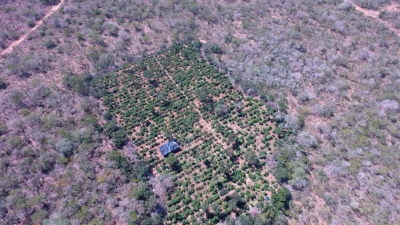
225, 137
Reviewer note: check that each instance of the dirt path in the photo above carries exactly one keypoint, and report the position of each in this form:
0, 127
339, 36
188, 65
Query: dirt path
172, 79
23, 37
375, 14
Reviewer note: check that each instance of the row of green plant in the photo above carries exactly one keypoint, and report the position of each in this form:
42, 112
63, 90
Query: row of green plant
222, 166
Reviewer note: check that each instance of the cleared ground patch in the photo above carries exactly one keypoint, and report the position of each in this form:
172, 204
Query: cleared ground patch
225, 137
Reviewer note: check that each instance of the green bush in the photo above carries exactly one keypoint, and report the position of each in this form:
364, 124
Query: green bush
281, 198
281, 175
173, 162
119, 138
50, 43
3, 83
65, 147
251, 158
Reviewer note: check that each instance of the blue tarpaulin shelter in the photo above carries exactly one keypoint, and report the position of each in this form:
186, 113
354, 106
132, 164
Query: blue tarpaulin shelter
168, 147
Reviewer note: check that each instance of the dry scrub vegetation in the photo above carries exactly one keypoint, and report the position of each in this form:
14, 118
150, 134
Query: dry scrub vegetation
322, 62
19, 16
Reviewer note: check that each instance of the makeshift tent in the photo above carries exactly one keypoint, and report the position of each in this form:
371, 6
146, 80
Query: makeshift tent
168, 147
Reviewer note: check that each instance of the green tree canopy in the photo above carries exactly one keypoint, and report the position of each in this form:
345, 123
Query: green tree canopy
119, 138
65, 147
203, 94
172, 161
251, 158
141, 191
281, 198
281, 174
148, 74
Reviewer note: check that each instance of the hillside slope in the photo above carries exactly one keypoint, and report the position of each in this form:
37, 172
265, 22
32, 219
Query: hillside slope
321, 62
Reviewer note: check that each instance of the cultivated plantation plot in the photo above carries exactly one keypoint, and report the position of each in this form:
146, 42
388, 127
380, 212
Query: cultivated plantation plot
225, 138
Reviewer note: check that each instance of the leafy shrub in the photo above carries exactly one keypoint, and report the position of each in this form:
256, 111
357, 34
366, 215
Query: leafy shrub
251, 158
141, 191
108, 116
330, 200
79, 84
31, 23
281, 198
372, 4
62, 160
173, 162
65, 147
50, 43
281, 174
119, 138
3, 83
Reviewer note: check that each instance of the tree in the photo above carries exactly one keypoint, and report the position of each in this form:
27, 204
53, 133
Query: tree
140, 170
46, 163
156, 219
280, 219
148, 74
163, 98
326, 111
119, 138
245, 220
221, 109
230, 220
205, 208
216, 49
281, 174
281, 198
172, 161
213, 48
141, 191
224, 168
110, 128
203, 95
50, 43
251, 158
230, 152
65, 147
17, 98
3, 83
232, 138
108, 116
307, 140
3, 128
79, 84
215, 208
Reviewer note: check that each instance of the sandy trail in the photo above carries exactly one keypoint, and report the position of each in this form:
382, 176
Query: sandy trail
23, 37
375, 14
